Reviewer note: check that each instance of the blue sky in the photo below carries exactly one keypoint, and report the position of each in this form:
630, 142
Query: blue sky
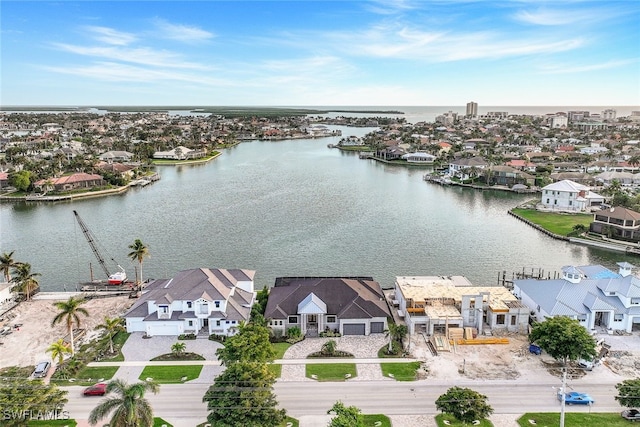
306, 53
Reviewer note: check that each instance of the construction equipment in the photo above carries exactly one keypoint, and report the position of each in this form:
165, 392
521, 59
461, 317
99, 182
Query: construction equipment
115, 278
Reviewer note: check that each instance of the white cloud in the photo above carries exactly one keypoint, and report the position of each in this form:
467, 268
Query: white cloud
146, 56
572, 69
110, 36
561, 17
183, 33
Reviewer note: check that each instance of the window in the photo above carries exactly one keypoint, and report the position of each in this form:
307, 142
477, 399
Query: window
217, 323
204, 308
331, 319
618, 317
233, 322
189, 304
164, 309
217, 304
513, 320
635, 300
293, 319
226, 322
500, 319
582, 317
190, 322
570, 202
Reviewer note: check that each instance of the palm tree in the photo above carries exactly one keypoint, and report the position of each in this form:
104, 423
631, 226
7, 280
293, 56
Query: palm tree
138, 252
129, 407
178, 348
391, 334
6, 264
24, 279
69, 312
58, 349
112, 326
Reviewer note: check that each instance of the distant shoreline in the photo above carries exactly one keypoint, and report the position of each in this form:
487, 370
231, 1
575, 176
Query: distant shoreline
232, 111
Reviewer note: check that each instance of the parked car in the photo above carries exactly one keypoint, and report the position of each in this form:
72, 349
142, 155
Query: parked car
631, 414
41, 370
576, 398
587, 365
535, 349
99, 389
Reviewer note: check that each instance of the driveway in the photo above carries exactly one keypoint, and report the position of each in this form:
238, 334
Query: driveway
142, 349
138, 349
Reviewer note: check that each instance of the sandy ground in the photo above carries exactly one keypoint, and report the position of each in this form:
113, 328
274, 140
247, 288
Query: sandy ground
514, 361
27, 345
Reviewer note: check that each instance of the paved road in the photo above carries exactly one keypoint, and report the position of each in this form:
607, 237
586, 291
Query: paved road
181, 404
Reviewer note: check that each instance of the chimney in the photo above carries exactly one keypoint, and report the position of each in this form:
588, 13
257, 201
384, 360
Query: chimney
624, 268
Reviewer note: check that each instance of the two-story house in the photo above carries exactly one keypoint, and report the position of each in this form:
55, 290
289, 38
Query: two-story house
567, 195
592, 294
202, 300
617, 222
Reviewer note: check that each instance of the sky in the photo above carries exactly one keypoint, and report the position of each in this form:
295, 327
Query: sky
320, 53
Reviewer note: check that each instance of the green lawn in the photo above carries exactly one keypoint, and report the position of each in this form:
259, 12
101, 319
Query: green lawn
400, 371
90, 376
453, 422
289, 422
331, 371
371, 420
275, 369
280, 348
574, 419
171, 374
159, 422
561, 224
118, 341
52, 423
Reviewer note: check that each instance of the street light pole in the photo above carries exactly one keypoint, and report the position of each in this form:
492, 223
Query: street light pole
562, 390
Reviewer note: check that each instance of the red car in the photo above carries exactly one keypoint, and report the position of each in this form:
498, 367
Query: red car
99, 389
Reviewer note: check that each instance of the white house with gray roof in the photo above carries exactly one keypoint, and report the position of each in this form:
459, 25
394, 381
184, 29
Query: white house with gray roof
570, 196
592, 294
202, 300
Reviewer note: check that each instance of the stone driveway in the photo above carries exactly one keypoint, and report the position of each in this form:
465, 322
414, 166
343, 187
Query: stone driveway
143, 349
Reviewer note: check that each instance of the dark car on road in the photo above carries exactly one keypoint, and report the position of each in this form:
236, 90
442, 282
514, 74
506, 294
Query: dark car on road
99, 389
631, 414
41, 370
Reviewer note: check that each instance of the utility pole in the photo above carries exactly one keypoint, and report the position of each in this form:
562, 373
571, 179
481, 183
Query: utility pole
562, 390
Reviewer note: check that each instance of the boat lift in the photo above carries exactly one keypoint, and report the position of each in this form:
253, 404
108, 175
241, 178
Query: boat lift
116, 278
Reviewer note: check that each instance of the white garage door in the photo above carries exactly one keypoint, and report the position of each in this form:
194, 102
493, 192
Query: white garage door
157, 330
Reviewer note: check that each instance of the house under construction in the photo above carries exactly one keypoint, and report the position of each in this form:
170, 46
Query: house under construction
435, 304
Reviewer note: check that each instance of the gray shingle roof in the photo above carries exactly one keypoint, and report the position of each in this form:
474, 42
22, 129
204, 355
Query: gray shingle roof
358, 297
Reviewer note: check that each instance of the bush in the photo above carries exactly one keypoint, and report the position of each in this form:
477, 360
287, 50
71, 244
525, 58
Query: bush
294, 335
187, 337
218, 338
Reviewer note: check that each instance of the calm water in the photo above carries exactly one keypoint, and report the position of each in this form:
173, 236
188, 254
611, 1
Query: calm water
289, 208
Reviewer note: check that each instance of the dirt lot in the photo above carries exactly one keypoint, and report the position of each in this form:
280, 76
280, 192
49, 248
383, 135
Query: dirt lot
514, 361
27, 345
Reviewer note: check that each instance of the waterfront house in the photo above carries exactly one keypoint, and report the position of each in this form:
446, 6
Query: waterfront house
71, 182
592, 294
569, 196
348, 305
618, 223
4, 180
433, 304
461, 167
508, 176
419, 157
179, 153
201, 300
116, 156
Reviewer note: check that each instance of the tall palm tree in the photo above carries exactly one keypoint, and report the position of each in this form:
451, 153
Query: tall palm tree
112, 326
129, 407
70, 311
58, 349
138, 253
25, 281
6, 264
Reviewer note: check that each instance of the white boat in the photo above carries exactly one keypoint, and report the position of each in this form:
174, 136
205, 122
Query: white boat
118, 278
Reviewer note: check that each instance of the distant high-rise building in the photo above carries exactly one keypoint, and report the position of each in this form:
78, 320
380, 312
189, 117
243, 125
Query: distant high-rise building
472, 109
447, 119
609, 114
577, 116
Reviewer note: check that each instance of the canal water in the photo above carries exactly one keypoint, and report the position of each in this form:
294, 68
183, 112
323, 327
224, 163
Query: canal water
289, 208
